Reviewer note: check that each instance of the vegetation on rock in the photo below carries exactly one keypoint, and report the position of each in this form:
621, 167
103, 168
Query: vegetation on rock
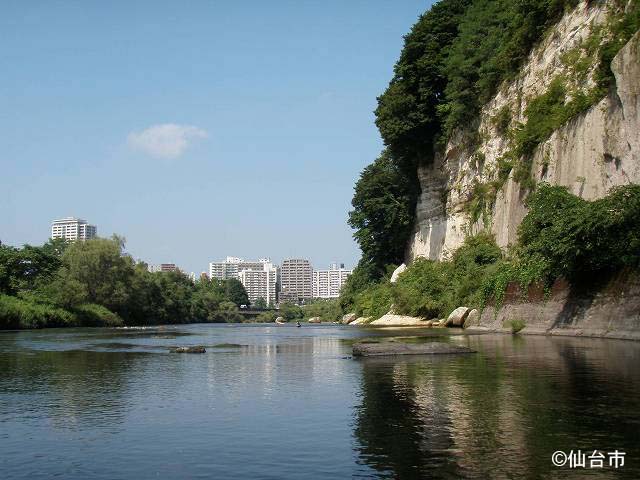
454, 60
561, 236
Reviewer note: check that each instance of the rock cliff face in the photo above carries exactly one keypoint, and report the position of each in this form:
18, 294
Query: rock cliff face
596, 150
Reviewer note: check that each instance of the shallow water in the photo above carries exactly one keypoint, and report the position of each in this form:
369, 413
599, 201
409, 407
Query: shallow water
286, 402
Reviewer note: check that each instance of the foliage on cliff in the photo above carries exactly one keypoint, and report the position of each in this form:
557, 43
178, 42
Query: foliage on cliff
431, 289
566, 236
561, 236
94, 283
382, 214
453, 60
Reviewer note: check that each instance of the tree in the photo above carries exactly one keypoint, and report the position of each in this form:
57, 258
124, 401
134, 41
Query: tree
290, 311
260, 304
407, 114
235, 292
382, 215
99, 266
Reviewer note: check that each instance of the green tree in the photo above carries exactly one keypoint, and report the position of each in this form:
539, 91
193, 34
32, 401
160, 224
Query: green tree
382, 215
290, 311
99, 266
408, 111
235, 292
260, 304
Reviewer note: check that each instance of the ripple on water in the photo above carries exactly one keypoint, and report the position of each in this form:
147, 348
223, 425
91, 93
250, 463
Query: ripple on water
267, 402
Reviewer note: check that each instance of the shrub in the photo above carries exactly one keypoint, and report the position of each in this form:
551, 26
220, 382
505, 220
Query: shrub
563, 235
16, 313
516, 325
92, 315
502, 119
266, 317
328, 310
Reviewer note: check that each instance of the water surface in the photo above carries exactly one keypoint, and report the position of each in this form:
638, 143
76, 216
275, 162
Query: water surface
286, 402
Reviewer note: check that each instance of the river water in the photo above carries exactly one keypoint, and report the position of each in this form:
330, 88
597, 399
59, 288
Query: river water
289, 403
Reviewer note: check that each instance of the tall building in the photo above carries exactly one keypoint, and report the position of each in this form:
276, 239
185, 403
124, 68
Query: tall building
296, 279
328, 283
259, 278
232, 266
260, 283
71, 228
163, 267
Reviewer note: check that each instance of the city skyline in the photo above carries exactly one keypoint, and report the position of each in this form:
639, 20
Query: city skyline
186, 138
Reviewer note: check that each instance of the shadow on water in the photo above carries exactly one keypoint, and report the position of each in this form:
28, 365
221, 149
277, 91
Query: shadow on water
502, 412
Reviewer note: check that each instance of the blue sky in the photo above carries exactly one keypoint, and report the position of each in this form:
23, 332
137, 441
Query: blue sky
196, 129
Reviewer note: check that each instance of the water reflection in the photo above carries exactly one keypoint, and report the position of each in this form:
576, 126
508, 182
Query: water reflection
289, 403
72, 388
502, 412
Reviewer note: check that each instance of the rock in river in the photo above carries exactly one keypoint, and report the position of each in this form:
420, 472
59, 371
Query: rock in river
364, 349
195, 349
348, 318
457, 317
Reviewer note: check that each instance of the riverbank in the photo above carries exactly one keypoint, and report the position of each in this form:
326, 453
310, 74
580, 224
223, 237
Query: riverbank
607, 308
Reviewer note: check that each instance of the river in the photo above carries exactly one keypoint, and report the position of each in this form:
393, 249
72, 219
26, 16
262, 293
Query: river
279, 402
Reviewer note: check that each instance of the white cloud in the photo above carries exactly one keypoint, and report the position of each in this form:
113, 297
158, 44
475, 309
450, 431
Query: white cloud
165, 141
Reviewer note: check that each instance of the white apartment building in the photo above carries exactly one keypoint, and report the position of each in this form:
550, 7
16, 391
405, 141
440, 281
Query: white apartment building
328, 283
260, 283
71, 228
232, 266
259, 278
163, 267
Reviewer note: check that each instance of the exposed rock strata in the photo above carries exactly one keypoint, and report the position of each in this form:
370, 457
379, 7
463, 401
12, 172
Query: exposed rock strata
590, 154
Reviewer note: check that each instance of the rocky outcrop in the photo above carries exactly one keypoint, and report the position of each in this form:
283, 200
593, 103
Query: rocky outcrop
315, 320
593, 152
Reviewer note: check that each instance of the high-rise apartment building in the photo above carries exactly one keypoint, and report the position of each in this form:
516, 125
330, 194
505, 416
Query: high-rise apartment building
259, 278
163, 267
232, 266
296, 279
328, 283
260, 283
71, 228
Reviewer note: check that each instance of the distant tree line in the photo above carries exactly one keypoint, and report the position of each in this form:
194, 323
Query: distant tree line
95, 283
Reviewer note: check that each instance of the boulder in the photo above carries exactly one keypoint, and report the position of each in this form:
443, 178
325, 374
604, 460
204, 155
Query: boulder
457, 317
366, 349
280, 320
397, 272
194, 349
393, 320
360, 321
348, 318
473, 319
315, 320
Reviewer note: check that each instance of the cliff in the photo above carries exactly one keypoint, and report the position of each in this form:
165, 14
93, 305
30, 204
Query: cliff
471, 185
